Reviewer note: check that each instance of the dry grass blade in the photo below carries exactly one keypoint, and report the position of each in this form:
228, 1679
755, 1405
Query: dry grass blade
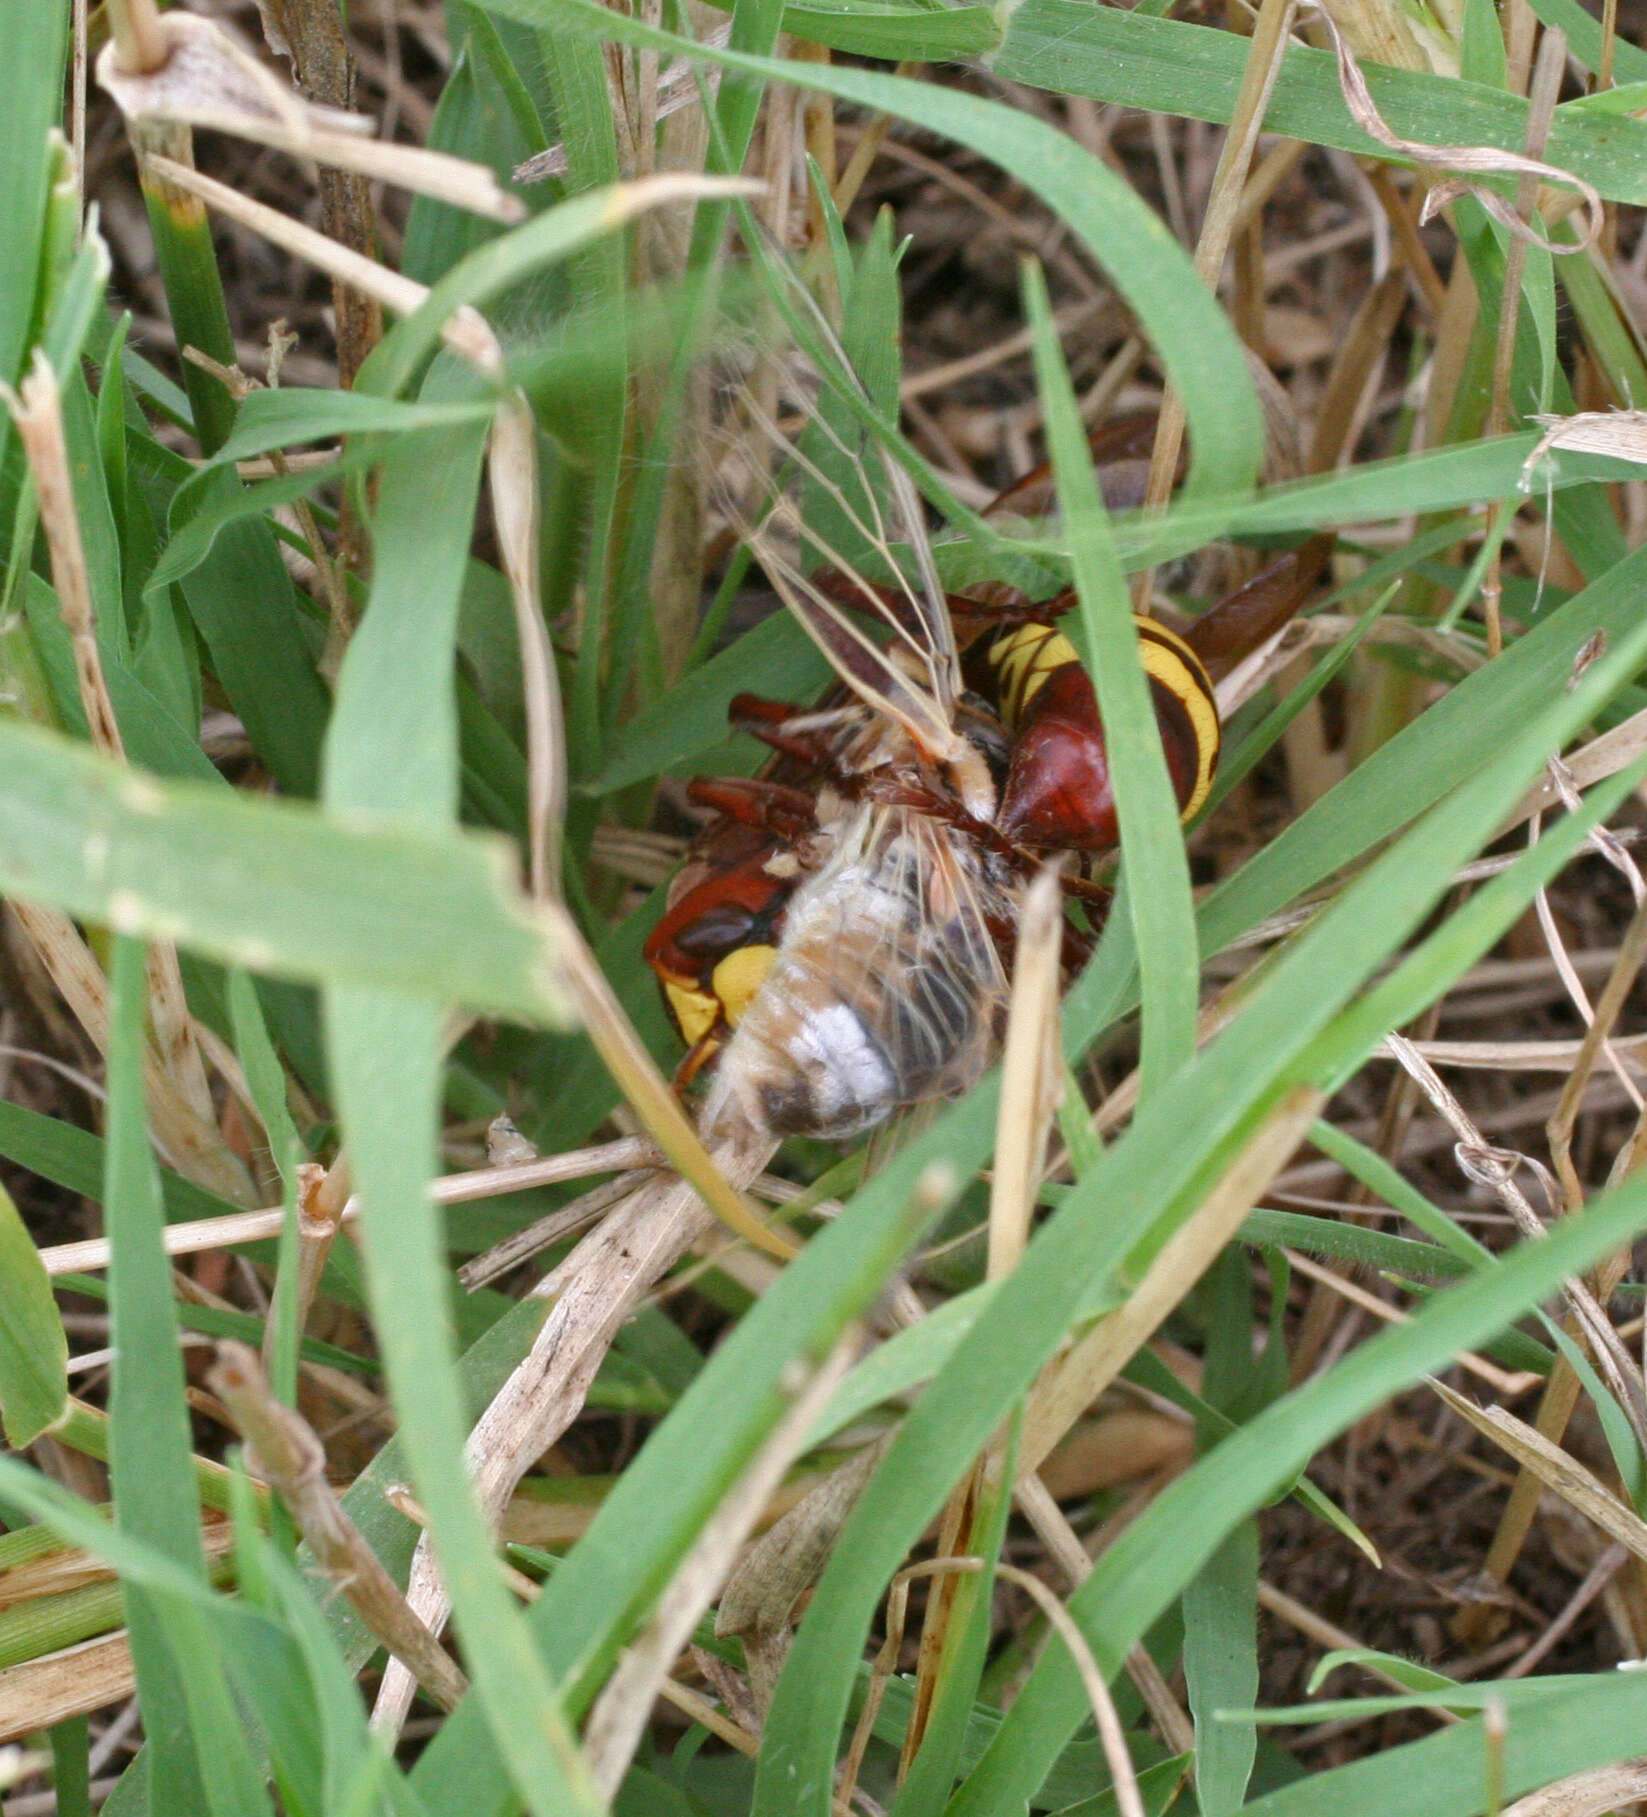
1264, 55
1632, 953
1619, 435
36, 409
1554, 1468
465, 332
1605, 755
595, 1290
564, 1221
206, 79
512, 468
37, 412
1382, 32
39, 1693
203, 1234
1527, 1056
1586, 1794
620, 1712
293, 1461
1473, 160
312, 35
1031, 1073
1071, 1384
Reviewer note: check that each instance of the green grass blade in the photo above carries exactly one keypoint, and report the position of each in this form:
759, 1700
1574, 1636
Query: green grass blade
1152, 844
71, 1767
150, 1463
269, 885
74, 1158
33, 47
34, 1383
194, 288
1194, 71
249, 617
386, 1062
392, 750
1221, 1668
393, 753
1584, 38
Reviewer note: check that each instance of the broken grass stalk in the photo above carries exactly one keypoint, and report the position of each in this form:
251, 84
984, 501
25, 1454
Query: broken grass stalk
293, 1460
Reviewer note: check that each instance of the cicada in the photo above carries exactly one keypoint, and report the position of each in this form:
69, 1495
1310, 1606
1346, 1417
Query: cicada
839, 939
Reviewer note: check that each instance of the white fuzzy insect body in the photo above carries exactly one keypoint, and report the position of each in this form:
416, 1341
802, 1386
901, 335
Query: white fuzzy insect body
888, 987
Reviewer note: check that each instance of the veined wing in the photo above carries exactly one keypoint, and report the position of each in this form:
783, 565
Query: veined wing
914, 677
888, 987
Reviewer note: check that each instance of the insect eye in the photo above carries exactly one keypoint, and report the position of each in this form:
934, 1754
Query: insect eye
717, 930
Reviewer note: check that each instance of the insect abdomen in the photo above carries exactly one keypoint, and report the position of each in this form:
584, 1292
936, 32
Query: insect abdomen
1057, 793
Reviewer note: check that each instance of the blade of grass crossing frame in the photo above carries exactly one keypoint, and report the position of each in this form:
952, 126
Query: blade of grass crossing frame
1444, 1775
1168, 66
1122, 1212
393, 753
151, 1465
1152, 844
386, 1060
34, 1383
277, 887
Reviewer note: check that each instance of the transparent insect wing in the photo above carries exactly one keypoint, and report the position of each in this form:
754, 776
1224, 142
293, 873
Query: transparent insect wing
913, 678
888, 988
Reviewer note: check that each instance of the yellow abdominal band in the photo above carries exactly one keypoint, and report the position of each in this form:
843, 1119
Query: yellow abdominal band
738, 976
1170, 661
1025, 658
732, 986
